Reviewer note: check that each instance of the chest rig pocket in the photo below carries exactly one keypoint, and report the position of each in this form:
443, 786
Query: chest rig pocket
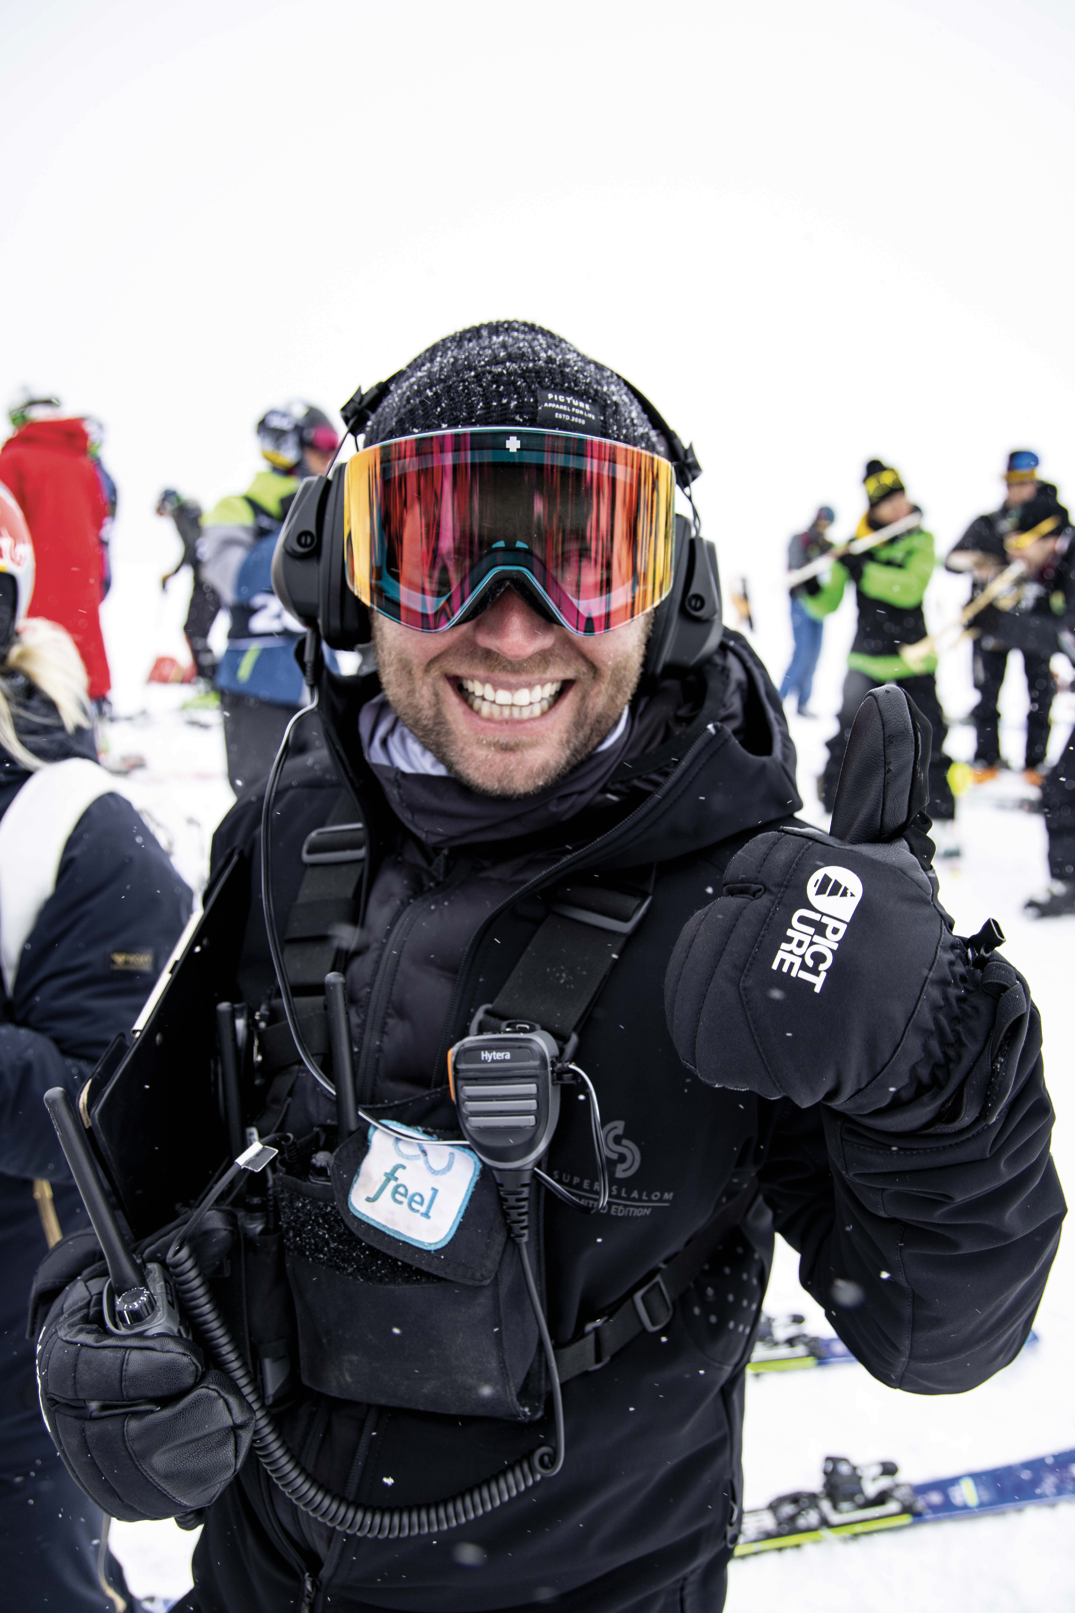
408, 1291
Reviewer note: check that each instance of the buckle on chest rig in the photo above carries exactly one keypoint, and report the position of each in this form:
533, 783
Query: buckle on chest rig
641, 1298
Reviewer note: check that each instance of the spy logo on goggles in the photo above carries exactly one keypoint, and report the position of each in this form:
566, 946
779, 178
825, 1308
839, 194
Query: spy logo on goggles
835, 892
435, 524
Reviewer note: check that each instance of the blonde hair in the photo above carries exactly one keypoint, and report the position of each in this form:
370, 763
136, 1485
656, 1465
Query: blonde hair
44, 653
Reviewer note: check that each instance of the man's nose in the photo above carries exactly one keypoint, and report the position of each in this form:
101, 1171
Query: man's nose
511, 628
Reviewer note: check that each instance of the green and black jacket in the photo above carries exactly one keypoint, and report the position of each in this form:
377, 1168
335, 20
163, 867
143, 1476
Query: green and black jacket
890, 593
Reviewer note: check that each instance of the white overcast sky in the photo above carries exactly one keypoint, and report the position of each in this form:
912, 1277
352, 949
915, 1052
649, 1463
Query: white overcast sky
811, 233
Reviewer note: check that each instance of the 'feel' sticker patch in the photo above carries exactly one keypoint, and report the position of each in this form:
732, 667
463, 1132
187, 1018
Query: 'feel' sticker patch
413, 1186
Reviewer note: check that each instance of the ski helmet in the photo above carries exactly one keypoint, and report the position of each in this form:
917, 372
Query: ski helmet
29, 405
168, 502
315, 428
278, 438
16, 568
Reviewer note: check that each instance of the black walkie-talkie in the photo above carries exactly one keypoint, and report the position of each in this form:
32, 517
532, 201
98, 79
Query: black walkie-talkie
136, 1299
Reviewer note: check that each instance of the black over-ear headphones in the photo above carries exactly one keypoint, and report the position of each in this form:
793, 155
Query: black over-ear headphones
308, 570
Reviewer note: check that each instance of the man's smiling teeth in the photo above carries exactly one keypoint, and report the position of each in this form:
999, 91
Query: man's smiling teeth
508, 704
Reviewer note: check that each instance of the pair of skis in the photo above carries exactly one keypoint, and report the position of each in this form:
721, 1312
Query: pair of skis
865, 1500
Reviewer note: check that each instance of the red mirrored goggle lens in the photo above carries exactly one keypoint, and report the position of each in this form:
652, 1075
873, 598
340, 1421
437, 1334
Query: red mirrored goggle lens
433, 521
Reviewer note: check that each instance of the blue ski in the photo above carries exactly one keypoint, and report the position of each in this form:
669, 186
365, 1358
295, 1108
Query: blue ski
864, 1500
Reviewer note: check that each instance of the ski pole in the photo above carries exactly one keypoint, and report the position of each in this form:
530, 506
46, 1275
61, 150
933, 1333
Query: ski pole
906, 523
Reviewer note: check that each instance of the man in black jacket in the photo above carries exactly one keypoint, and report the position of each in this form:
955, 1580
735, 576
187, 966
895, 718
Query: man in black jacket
560, 778
984, 550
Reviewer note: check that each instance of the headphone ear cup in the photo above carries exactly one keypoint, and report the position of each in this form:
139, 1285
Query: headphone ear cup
687, 626
343, 619
296, 558
308, 573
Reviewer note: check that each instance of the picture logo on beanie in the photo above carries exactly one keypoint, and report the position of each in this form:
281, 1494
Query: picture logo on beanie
564, 411
813, 938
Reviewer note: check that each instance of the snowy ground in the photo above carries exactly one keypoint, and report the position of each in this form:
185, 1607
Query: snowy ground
1022, 1563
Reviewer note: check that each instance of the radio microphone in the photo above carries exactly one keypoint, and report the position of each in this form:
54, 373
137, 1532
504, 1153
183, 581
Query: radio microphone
508, 1105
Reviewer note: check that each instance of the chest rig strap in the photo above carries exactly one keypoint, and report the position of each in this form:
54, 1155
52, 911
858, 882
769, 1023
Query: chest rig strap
321, 930
649, 1308
557, 979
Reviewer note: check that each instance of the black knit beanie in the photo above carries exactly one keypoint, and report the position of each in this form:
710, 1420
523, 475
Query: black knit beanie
511, 373
881, 481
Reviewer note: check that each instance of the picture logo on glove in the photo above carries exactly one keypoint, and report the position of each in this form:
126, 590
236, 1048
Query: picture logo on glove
835, 892
813, 938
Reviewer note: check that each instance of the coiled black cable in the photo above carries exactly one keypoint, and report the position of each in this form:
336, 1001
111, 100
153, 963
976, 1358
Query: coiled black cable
287, 1472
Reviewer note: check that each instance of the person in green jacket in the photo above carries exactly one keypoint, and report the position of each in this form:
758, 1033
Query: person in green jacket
890, 582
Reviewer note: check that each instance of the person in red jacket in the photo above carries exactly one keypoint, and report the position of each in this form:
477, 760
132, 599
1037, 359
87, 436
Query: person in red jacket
48, 468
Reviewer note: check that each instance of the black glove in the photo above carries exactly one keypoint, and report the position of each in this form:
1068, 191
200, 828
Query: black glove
854, 565
827, 971
142, 1427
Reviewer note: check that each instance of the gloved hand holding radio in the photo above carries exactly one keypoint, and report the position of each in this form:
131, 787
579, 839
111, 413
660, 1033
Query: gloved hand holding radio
828, 972
141, 1425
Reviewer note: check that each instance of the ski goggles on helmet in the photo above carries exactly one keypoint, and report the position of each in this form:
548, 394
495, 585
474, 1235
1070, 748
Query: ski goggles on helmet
437, 524
278, 439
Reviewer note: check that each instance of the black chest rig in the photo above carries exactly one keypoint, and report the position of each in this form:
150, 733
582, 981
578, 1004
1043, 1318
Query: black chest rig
387, 1312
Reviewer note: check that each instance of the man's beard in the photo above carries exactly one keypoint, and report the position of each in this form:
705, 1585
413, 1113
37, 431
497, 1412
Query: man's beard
410, 692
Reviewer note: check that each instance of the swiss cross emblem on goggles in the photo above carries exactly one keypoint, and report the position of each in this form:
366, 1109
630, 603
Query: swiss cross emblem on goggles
437, 524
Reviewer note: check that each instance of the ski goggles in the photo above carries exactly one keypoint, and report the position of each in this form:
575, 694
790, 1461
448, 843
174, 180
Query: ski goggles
436, 524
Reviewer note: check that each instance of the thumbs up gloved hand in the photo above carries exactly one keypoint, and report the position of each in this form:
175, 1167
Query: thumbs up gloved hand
827, 971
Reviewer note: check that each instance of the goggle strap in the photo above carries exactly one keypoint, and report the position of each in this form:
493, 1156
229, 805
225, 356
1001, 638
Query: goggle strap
359, 408
684, 459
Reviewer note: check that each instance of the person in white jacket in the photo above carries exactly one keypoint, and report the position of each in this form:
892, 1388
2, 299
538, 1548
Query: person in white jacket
90, 908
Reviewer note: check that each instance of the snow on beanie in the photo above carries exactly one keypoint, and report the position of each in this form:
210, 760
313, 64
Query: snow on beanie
511, 373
